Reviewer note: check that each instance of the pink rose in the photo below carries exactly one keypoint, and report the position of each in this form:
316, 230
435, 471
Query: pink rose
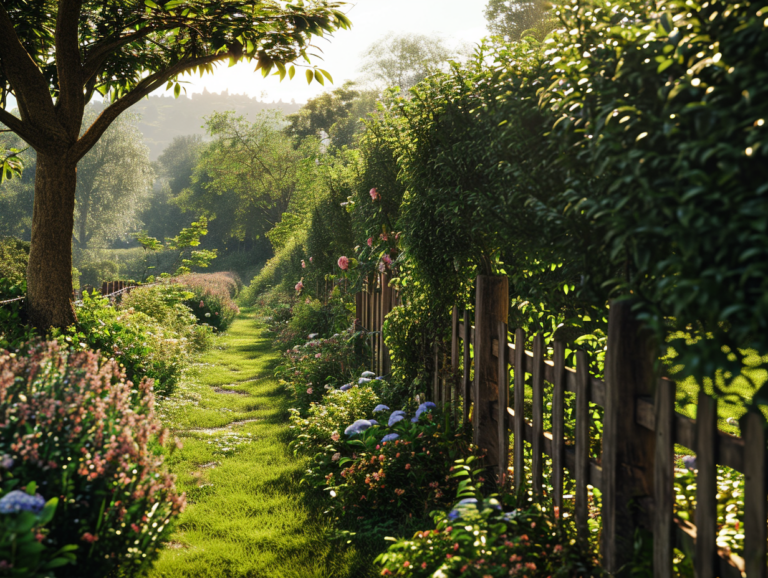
318, 355
387, 259
310, 259
370, 243
336, 457
374, 194
343, 263
303, 264
335, 437
309, 391
384, 236
299, 286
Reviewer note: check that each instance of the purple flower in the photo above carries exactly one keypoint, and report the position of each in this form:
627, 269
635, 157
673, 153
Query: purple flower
390, 437
380, 407
396, 416
358, 427
346, 387
363, 380
367, 374
373, 422
690, 462
18, 501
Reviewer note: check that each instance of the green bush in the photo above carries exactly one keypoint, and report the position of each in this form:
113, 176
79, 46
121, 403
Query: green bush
212, 297
98, 272
283, 270
320, 365
14, 255
485, 538
14, 331
72, 424
141, 344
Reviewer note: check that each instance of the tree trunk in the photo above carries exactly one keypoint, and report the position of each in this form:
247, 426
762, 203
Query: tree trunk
49, 273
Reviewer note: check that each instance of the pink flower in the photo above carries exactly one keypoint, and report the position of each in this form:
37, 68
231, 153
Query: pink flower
374, 194
90, 538
310, 259
303, 264
370, 241
455, 546
299, 286
318, 355
343, 263
384, 236
335, 437
387, 259
406, 564
407, 466
309, 391
202, 304
558, 548
336, 457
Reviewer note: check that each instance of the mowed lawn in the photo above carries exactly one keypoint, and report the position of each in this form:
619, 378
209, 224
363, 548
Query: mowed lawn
247, 514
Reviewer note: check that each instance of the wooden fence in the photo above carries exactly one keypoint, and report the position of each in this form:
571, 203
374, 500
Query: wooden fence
635, 471
373, 304
108, 289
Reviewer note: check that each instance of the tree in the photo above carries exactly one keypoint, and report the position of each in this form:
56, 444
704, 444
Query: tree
54, 56
514, 19
405, 60
113, 181
18, 190
250, 174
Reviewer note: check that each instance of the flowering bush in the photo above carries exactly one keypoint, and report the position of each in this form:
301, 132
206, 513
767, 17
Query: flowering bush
312, 369
326, 421
212, 297
71, 423
480, 539
380, 472
24, 515
142, 345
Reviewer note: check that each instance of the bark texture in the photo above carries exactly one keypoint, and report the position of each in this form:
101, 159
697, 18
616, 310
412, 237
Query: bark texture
49, 273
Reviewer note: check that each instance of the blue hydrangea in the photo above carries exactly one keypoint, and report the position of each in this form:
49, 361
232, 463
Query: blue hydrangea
346, 387
453, 514
18, 501
427, 405
363, 380
390, 437
468, 501
373, 422
367, 374
690, 463
358, 427
396, 416
380, 378
380, 407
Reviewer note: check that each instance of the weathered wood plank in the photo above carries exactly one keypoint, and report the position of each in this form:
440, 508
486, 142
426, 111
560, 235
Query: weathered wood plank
455, 383
558, 423
503, 403
582, 444
664, 477
436, 375
519, 423
755, 515
706, 487
466, 380
727, 565
730, 449
537, 381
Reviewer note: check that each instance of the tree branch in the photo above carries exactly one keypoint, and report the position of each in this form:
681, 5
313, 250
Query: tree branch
68, 66
144, 88
29, 84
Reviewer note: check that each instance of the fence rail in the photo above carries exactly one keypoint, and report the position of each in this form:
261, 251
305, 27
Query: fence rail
635, 470
109, 289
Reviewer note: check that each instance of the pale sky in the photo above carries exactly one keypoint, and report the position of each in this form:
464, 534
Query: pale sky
456, 21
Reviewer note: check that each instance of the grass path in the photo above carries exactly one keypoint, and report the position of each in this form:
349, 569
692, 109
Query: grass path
247, 515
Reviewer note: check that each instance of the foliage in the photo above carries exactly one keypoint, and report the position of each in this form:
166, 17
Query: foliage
282, 270
312, 369
14, 254
332, 416
406, 59
377, 485
14, 329
515, 19
12, 165
94, 273
211, 298
100, 456
23, 520
488, 538
114, 181
141, 344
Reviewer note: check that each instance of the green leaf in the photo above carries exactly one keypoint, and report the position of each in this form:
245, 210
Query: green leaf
310, 76
319, 78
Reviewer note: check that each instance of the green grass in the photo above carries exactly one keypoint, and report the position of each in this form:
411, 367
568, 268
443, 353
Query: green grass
248, 515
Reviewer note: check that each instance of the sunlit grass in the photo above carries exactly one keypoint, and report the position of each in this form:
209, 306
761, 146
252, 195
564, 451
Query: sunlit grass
248, 516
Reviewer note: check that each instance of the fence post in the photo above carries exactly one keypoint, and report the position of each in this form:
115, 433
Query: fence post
628, 449
455, 362
753, 426
466, 382
386, 300
491, 307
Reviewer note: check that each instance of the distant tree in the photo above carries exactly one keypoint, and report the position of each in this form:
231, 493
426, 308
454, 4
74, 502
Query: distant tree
55, 56
250, 174
405, 60
114, 180
335, 115
17, 191
514, 19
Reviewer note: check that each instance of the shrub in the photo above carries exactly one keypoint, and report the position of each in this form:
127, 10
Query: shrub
73, 424
338, 410
24, 515
165, 304
97, 272
376, 484
312, 369
212, 297
142, 345
481, 539
14, 254
14, 330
